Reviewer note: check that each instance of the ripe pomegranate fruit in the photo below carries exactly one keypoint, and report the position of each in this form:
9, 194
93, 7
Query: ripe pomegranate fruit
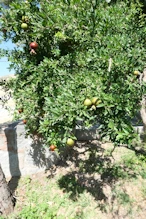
24, 121
52, 147
33, 45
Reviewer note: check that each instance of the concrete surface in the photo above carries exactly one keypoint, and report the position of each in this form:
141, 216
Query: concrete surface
20, 155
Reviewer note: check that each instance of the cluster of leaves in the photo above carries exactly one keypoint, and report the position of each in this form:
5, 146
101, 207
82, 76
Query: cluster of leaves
76, 39
5, 2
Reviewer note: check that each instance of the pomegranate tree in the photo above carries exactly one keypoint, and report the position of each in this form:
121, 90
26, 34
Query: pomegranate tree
77, 61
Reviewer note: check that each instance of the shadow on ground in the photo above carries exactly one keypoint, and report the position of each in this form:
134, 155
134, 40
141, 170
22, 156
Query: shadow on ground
12, 147
13, 183
91, 167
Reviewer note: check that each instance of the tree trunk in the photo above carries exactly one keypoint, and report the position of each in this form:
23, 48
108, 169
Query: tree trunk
143, 104
6, 197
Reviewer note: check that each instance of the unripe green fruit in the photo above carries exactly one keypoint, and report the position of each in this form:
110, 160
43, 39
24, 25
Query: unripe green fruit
136, 73
24, 18
70, 142
87, 102
94, 100
24, 26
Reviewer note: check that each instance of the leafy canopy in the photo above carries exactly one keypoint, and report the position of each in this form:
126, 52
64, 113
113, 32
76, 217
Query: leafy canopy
85, 49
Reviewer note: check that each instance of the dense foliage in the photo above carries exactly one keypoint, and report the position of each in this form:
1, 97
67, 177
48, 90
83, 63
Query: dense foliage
6, 2
84, 49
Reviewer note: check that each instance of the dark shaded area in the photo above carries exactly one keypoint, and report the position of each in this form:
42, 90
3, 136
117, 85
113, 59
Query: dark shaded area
139, 151
94, 172
75, 184
13, 183
12, 148
38, 152
41, 155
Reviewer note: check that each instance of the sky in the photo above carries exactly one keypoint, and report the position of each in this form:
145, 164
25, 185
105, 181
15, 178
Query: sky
4, 64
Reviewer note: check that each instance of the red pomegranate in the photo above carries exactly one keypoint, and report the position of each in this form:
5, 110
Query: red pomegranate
33, 45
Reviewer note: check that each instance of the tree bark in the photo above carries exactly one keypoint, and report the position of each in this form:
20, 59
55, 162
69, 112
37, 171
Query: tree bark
6, 198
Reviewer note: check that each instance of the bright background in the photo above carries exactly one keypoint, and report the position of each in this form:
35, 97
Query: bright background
4, 64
